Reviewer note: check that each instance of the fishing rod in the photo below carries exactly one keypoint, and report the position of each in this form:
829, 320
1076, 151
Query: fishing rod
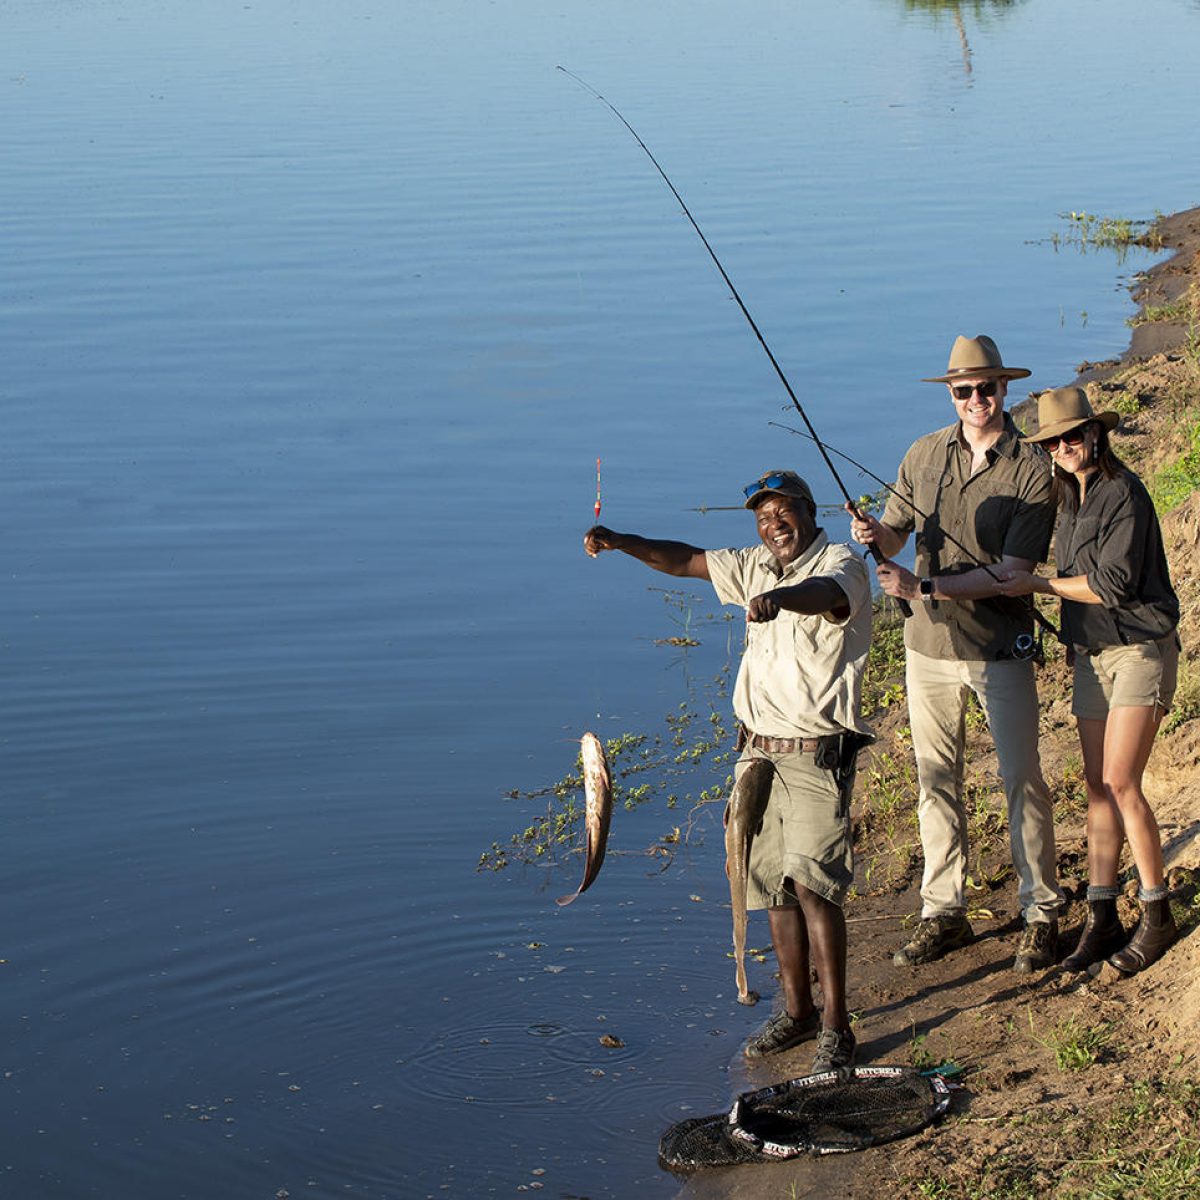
1037, 616
874, 550
831, 509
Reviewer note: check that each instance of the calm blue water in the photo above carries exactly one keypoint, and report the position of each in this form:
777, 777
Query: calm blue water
315, 318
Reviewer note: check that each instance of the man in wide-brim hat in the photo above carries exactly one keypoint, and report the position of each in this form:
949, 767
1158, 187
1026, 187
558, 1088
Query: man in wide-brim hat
973, 494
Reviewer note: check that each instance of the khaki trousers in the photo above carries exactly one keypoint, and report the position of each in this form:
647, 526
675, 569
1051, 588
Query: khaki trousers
937, 705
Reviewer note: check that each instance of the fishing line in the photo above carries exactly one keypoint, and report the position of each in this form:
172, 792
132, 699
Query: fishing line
874, 550
1037, 616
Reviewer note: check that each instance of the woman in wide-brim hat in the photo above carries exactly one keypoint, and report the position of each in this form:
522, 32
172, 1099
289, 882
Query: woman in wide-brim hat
1119, 618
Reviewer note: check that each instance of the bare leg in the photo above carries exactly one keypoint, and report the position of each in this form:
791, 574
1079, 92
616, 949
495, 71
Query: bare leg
827, 936
1105, 831
789, 936
1128, 738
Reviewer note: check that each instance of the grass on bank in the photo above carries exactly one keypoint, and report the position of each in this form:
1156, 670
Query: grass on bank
1172, 484
1141, 1140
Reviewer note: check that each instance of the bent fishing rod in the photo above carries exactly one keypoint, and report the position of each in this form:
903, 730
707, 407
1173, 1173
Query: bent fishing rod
1037, 616
874, 550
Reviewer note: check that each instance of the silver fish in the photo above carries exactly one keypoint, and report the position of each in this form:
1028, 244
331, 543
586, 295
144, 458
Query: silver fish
597, 790
743, 816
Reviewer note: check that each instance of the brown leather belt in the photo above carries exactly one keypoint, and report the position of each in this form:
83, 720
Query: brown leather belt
781, 745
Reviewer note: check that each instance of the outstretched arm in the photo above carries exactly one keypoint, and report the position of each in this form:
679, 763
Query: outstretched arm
671, 558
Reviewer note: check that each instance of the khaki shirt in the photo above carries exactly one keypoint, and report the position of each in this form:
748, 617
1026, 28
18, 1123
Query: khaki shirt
1004, 508
800, 676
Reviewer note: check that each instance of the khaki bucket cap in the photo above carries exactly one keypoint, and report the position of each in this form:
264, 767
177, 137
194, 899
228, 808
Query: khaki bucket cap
976, 358
1066, 408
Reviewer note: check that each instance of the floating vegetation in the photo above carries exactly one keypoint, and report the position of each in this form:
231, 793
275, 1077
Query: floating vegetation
687, 761
645, 767
1087, 231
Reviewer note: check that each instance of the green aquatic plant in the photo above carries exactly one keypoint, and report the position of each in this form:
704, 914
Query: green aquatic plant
1087, 231
685, 761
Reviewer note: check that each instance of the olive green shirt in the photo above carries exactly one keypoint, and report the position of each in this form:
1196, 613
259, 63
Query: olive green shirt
1002, 509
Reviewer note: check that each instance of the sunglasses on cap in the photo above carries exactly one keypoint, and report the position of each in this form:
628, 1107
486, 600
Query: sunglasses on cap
963, 391
766, 483
1072, 437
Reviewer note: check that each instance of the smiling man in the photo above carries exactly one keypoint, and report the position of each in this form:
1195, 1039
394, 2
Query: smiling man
976, 482
798, 699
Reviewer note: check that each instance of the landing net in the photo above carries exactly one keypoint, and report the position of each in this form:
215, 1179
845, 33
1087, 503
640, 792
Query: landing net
831, 1113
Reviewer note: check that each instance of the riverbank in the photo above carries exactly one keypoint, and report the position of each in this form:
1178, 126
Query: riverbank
1072, 1085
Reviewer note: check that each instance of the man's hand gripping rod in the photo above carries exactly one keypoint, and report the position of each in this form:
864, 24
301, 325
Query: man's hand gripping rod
875, 552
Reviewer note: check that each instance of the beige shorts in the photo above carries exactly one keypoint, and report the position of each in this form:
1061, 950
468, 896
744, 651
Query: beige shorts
1136, 676
805, 837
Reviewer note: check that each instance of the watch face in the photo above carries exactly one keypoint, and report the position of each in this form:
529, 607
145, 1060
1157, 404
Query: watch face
926, 587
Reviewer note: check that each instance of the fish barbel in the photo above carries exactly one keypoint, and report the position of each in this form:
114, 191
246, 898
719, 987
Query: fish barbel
597, 790
743, 817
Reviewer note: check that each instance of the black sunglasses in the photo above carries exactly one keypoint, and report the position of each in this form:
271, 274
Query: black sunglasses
963, 391
767, 481
1071, 438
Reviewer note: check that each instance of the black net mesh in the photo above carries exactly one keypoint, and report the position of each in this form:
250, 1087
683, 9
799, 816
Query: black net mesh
821, 1114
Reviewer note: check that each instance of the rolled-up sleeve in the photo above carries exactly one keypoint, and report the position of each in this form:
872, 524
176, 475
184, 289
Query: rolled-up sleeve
852, 577
1120, 553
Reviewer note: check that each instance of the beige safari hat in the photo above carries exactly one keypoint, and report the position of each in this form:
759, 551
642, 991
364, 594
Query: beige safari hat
973, 358
1062, 409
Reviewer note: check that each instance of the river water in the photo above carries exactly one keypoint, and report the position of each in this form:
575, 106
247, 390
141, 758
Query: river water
315, 318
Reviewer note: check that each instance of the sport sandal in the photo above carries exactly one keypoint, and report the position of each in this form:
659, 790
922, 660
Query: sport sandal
782, 1032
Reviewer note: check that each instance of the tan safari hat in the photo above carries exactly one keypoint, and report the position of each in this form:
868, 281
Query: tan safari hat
777, 483
1065, 408
977, 357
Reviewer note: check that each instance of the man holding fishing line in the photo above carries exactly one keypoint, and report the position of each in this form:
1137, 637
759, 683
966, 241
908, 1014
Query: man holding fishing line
797, 697
974, 494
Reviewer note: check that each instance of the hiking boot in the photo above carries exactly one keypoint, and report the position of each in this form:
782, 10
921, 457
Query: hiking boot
1037, 948
1102, 934
933, 937
1155, 932
835, 1048
782, 1032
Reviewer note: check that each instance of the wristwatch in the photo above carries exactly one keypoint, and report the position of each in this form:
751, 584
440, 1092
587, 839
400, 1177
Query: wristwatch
925, 587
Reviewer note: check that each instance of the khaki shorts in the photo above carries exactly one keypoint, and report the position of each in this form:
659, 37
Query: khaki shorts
1136, 676
805, 836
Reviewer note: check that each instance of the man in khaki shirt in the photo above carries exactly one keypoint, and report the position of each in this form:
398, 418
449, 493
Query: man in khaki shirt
974, 494
797, 696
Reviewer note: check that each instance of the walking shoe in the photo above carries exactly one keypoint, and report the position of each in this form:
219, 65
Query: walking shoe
1038, 947
933, 937
835, 1048
782, 1032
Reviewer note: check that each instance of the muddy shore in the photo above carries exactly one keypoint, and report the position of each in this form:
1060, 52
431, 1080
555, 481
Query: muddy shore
1024, 1124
